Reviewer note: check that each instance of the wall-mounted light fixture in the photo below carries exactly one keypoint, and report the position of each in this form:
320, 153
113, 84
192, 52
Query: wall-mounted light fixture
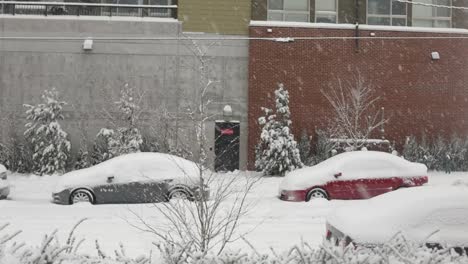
227, 111
88, 44
435, 55
269, 30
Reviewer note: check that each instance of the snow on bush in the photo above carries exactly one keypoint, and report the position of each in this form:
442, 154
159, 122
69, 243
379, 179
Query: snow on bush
16, 156
277, 151
124, 139
52, 250
440, 154
83, 159
49, 143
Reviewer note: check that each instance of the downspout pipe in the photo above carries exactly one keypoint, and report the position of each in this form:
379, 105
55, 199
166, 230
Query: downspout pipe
356, 20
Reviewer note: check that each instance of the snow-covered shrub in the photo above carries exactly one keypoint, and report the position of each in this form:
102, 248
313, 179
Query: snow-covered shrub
123, 139
150, 144
277, 150
83, 160
323, 148
16, 156
128, 136
52, 250
49, 143
440, 154
396, 251
104, 144
304, 147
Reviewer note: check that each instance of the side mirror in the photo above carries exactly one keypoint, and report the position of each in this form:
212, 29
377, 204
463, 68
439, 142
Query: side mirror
337, 175
110, 179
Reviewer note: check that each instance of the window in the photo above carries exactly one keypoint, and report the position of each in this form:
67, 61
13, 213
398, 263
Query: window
326, 11
427, 16
288, 10
160, 12
386, 12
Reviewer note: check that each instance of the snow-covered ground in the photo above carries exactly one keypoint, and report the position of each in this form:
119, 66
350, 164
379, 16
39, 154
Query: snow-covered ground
273, 223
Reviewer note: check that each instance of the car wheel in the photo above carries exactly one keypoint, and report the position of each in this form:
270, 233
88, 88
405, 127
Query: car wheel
316, 193
180, 194
81, 196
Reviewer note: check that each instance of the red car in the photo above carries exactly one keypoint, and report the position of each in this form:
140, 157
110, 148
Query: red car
352, 175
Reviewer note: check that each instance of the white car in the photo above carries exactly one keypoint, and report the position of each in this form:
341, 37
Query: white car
132, 178
4, 186
435, 216
352, 175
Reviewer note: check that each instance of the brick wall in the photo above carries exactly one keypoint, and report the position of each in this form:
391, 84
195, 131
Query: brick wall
419, 94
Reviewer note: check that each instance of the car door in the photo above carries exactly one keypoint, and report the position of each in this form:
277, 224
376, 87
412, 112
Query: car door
147, 182
365, 178
381, 178
122, 184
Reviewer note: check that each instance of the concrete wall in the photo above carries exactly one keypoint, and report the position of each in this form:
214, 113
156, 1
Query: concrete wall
215, 16
90, 81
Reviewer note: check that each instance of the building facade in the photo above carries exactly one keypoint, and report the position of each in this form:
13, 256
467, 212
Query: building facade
420, 94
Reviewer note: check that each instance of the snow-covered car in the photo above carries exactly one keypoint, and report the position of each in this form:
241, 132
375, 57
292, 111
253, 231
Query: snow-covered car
132, 178
352, 175
4, 185
435, 216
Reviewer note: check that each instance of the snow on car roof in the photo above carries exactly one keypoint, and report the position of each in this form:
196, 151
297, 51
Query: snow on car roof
131, 167
323, 172
412, 211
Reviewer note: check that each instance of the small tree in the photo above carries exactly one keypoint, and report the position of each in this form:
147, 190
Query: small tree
124, 139
129, 136
323, 148
277, 151
355, 118
207, 223
83, 160
50, 146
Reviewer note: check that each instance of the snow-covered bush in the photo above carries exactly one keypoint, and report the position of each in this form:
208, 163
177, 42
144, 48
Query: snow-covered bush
304, 147
83, 160
49, 143
16, 156
440, 154
128, 136
277, 150
323, 148
52, 250
103, 147
123, 139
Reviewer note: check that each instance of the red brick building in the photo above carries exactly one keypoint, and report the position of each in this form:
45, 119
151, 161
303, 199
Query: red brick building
420, 94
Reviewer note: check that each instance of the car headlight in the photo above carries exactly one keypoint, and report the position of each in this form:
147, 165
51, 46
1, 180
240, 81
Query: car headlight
3, 175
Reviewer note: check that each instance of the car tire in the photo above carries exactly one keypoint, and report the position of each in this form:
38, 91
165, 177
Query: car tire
180, 194
81, 195
316, 193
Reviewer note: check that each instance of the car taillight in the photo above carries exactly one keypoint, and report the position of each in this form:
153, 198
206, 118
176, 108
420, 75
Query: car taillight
328, 235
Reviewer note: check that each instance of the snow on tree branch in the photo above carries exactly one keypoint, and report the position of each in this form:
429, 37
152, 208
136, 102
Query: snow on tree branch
51, 148
277, 151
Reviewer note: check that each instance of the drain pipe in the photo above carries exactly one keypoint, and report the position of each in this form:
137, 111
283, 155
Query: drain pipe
356, 31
